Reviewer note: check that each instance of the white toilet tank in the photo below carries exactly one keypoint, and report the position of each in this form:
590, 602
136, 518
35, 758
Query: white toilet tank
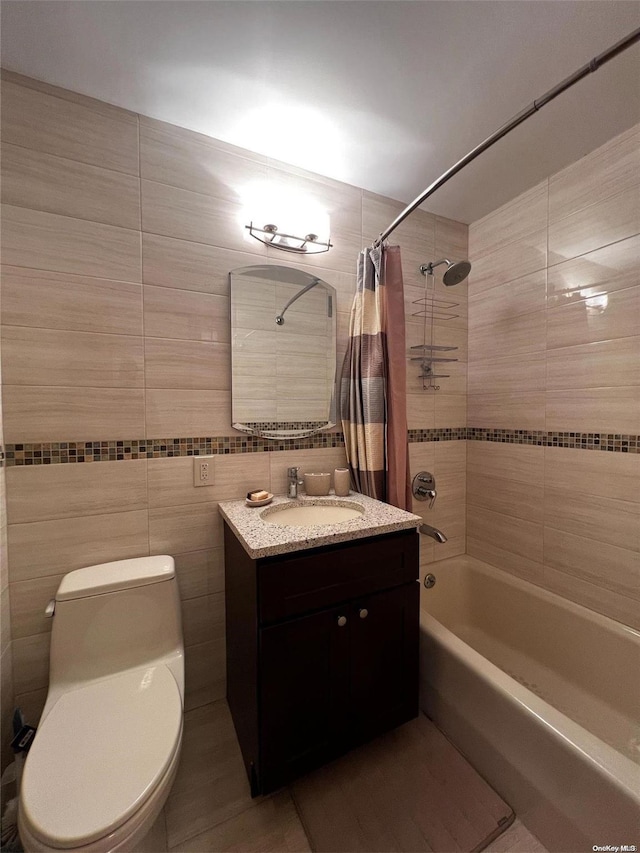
116, 616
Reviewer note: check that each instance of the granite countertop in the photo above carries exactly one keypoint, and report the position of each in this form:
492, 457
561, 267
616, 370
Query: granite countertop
261, 539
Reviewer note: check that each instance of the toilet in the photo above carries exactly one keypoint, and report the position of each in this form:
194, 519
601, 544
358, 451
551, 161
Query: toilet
108, 744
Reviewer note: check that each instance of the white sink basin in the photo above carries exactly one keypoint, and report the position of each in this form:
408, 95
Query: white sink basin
311, 514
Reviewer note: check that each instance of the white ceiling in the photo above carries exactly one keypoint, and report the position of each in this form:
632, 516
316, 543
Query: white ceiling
385, 95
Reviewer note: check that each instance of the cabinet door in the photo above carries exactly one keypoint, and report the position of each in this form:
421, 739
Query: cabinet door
304, 685
383, 661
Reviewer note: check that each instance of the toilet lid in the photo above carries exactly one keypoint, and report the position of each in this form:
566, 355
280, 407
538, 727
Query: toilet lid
99, 754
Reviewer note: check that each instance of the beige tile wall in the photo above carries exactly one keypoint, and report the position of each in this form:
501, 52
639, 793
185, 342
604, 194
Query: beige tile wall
119, 234
554, 344
6, 659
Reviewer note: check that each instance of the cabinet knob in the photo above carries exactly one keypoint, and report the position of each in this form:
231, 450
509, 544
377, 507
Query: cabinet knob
342, 621
363, 612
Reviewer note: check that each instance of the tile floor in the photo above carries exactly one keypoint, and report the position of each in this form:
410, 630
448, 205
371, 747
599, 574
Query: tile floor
210, 809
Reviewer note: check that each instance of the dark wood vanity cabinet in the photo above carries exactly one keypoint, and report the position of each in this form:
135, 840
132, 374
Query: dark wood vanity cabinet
322, 650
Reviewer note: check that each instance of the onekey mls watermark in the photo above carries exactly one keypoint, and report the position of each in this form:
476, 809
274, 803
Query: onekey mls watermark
615, 848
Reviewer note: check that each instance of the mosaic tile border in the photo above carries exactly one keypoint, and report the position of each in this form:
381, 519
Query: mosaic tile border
65, 452
608, 441
62, 452
284, 425
416, 436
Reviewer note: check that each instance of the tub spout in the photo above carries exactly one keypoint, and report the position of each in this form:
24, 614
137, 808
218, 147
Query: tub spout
433, 532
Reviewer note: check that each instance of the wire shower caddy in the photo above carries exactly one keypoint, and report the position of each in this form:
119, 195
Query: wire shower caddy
427, 355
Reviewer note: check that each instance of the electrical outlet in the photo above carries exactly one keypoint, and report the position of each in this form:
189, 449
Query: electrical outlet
203, 470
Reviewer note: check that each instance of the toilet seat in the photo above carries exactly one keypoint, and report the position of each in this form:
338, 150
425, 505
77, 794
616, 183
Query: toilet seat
99, 755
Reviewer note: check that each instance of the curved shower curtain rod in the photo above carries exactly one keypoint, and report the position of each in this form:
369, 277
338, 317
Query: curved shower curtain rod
523, 115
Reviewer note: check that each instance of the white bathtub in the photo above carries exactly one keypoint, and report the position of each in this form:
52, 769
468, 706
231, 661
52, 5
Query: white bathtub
541, 695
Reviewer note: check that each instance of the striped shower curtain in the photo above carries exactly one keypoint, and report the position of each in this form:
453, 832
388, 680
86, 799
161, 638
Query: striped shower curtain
373, 383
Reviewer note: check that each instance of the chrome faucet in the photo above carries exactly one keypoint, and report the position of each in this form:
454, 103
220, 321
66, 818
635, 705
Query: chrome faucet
294, 482
433, 532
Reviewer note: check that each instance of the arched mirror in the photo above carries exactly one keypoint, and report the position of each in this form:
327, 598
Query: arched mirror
283, 352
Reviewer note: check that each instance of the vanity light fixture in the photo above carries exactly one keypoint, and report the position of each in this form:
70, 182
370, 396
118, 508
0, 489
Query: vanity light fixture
270, 235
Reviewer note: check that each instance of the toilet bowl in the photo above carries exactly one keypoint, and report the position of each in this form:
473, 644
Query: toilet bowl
108, 744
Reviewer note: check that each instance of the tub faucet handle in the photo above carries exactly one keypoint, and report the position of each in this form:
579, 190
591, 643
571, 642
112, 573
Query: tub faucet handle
424, 487
432, 495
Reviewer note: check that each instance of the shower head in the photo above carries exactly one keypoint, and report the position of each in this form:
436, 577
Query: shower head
456, 271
